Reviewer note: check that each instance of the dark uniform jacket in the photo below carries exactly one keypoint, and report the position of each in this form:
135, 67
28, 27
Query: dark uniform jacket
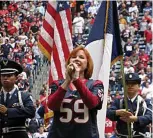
16, 114
144, 115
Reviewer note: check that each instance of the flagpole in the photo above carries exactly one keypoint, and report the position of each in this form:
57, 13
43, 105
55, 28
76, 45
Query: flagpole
122, 69
47, 90
125, 98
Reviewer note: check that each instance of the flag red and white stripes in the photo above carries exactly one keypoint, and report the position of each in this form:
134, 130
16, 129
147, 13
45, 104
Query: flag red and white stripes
55, 40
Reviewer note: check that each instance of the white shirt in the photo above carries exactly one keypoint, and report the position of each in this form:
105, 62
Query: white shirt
78, 22
24, 75
23, 39
148, 92
12, 44
132, 100
17, 24
128, 70
92, 10
35, 50
38, 135
11, 93
142, 76
133, 9
41, 10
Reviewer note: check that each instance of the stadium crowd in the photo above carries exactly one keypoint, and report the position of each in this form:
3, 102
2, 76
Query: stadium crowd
21, 22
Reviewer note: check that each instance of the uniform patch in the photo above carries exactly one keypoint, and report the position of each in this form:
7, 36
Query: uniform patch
130, 76
16, 105
101, 94
31, 98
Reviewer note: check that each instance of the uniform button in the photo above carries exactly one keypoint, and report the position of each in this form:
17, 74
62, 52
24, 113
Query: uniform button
5, 122
5, 114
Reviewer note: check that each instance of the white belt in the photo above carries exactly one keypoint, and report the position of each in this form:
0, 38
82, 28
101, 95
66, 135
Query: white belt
13, 129
126, 136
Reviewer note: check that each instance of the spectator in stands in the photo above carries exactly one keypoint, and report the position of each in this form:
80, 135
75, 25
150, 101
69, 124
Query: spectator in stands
26, 69
134, 58
144, 58
11, 29
43, 96
148, 8
23, 38
82, 11
147, 17
149, 73
40, 8
147, 91
73, 8
119, 82
12, 7
128, 68
146, 80
12, 42
137, 49
32, 125
34, 29
16, 23
25, 25
126, 34
128, 48
122, 22
112, 81
40, 133
3, 28
143, 26
31, 39
135, 24
79, 40
4, 37
92, 9
28, 59
109, 126
37, 116
150, 59
78, 24
123, 10
36, 52
6, 48
133, 9
142, 75
148, 38
31, 6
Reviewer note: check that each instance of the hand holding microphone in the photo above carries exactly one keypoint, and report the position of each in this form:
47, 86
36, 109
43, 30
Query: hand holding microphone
73, 71
71, 68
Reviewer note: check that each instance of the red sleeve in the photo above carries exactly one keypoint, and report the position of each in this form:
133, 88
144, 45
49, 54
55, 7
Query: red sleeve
145, 32
89, 99
55, 99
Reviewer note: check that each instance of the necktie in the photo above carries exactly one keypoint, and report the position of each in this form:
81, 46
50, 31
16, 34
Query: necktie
7, 98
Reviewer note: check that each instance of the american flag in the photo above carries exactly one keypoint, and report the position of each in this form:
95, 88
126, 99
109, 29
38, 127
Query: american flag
55, 40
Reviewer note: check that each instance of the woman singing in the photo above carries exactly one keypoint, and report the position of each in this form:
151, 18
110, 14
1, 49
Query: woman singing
76, 99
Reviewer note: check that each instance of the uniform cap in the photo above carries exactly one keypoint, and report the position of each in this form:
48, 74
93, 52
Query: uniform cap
10, 67
132, 77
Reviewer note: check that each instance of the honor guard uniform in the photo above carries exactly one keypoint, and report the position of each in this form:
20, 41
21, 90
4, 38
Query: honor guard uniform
15, 106
139, 113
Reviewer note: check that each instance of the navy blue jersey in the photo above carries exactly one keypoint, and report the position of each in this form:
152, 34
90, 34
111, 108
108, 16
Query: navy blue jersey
74, 119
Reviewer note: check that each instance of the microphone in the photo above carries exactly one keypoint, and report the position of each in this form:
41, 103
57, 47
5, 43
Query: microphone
71, 68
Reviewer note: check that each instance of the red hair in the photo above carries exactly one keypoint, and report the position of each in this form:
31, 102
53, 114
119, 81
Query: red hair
89, 70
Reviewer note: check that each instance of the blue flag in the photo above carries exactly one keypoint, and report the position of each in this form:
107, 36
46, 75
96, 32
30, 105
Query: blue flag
104, 45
